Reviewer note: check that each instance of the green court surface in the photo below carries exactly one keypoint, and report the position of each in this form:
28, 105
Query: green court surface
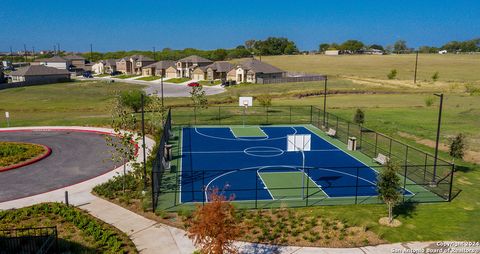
288, 185
247, 131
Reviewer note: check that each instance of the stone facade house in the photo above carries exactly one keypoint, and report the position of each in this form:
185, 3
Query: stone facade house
187, 65
158, 69
133, 64
250, 70
218, 70
171, 72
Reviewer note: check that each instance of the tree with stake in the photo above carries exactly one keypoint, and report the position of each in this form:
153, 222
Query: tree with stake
198, 96
125, 140
214, 227
388, 187
457, 147
359, 117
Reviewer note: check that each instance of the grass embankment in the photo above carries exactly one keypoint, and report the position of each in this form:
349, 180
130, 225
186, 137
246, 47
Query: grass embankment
85, 103
125, 76
149, 78
78, 232
177, 80
13, 153
209, 82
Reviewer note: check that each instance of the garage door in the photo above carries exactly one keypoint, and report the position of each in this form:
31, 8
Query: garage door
198, 77
170, 75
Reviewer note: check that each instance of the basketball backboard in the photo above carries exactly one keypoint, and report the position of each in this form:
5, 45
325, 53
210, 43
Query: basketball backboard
300, 142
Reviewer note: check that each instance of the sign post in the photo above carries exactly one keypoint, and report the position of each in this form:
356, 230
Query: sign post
7, 116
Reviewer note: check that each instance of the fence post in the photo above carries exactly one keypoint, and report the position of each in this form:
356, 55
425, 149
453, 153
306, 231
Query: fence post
308, 181
256, 191
311, 112
66, 198
348, 131
203, 187
376, 143
390, 149
219, 116
451, 183
356, 189
290, 114
405, 182
266, 113
425, 168
153, 191
361, 137
194, 115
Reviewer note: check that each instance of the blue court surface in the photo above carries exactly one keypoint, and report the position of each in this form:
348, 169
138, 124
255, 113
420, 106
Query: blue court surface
214, 157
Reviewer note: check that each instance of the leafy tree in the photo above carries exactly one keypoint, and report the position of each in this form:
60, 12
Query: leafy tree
428, 49
400, 46
323, 47
218, 55
392, 74
265, 100
359, 117
213, 226
388, 187
275, 46
352, 46
457, 146
435, 76
133, 99
250, 44
376, 46
198, 96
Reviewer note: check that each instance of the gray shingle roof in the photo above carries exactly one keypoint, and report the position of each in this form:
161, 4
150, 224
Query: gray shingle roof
140, 58
221, 66
110, 62
74, 57
54, 59
38, 70
161, 64
194, 59
259, 67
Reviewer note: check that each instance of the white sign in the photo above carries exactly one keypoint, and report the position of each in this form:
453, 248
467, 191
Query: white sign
245, 101
7, 114
301, 142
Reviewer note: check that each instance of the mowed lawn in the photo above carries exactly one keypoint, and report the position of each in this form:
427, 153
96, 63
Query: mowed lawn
76, 103
450, 67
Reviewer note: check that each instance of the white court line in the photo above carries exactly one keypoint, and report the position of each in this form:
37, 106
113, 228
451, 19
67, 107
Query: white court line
265, 151
318, 185
265, 185
242, 139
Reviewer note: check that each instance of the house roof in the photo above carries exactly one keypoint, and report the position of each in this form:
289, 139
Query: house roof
110, 62
38, 70
200, 68
221, 66
55, 59
259, 66
140, 58
74, 57
161, 64
194, 59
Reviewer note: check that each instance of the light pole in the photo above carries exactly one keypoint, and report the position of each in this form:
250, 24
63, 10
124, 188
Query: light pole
438, 137
325, 101
416, 63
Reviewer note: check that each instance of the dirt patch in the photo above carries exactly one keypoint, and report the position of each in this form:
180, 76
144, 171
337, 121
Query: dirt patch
394, 83
385, 221
470, 156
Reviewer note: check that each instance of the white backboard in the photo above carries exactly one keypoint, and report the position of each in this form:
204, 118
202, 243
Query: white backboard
300, 142
7, 114
245, 101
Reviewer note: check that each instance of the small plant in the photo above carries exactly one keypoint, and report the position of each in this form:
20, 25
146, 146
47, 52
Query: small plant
435, 76
392, 74
429, 101
265, 100
457, 147
472, 90
359, 117
388, 186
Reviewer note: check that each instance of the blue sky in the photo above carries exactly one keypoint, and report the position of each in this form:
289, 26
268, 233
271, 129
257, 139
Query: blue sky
207, 24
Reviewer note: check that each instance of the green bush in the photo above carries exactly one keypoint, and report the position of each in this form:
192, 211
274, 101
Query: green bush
429, 101
265, 100
133, 99
392, 74
435, 76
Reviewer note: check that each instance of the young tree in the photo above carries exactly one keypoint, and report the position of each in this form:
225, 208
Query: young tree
359, 116
265, 100
435, 76
388, 187
133, 99
323, 47
214, 227
392, 74
198, 96
457, 147
400, 46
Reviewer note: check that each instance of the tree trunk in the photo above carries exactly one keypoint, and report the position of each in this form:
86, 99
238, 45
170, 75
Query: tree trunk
390, 213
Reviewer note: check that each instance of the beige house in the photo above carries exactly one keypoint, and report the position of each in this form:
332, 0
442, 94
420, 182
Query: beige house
199, 73
133, 64
104, 66
171, 72
39, 74
218, 70
252, 69
158, 69
187, 65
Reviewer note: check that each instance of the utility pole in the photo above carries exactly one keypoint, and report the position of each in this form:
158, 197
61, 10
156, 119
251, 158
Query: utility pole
11, 55
58, 48
154, 58
33, 53
91, 52
434, 183
25, 52
416, 63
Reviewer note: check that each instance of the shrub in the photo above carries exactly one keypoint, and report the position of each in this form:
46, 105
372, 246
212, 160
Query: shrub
265, 100
457, 147
429, 101
435, 76
472, 90
359, 117
392, 74
133, 99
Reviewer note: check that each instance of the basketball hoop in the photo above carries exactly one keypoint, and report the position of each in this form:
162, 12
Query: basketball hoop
245, 102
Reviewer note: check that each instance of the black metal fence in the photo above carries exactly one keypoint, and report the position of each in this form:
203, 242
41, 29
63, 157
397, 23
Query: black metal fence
161, 160
289, 79
428, 182
29, 240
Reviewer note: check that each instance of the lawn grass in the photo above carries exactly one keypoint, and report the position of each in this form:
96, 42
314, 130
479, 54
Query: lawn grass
125, 76
209, 82
102, 75
177, 80
462, 67
149, 78
77, 103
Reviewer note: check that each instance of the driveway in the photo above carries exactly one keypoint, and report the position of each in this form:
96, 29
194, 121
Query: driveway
169, 89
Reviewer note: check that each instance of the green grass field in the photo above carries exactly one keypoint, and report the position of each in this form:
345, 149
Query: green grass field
149, 78
247, 131
177, 80
125, 76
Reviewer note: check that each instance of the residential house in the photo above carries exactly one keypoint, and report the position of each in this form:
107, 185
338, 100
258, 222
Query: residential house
185, 66
218, 70
199, 73
133, 64
55, 62
39, 74
105, 66
252, 69
77, 62
332, 52
171, 72
158, 69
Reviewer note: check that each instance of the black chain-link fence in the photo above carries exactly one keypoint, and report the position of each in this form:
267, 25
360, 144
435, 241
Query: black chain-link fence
29, 240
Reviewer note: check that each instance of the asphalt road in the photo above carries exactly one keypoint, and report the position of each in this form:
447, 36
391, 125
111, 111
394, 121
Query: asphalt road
75, 157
